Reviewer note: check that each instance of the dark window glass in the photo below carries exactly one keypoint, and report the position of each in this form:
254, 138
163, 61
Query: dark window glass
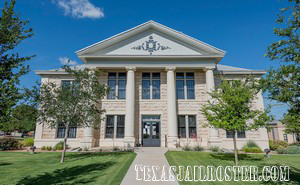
146, 89
190, 86
155, 89
180, 89
112, 89
181, 127
229, 134
192, 127
189, 75
122, 75
62, 129
146, 75
120, 126
285, 137
122, 89
112, 75
179, 75
241, 134
109, 132
155, 75
66, 84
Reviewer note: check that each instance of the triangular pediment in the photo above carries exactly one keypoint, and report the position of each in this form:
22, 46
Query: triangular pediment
150, 39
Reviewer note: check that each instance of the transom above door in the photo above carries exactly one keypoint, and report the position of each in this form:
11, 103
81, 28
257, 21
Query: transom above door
151, 130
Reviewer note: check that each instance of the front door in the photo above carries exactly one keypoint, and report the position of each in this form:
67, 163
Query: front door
151, 133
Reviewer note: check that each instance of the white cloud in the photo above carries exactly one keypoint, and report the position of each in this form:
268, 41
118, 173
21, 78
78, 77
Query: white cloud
80, 8
67, 61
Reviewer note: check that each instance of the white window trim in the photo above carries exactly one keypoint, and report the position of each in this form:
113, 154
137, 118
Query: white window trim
185, 86
117, 85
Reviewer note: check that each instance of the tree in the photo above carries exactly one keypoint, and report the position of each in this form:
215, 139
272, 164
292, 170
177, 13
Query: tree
292, 124
283, 83
12, 32
72, 104
231, 108
24, 118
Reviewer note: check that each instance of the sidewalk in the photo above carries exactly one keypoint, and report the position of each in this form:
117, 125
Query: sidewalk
152, 156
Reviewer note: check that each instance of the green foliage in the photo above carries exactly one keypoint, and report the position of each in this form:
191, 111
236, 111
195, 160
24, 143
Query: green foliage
186, 147
256, 150
28, 142
251, 144
295, 144
60, 146
252, 150
292, 123
289, 150
248, 150
9, 144
198, 148
24, 118
43, 148
215, 148
12, 66
283, 83
49, 148
274, 145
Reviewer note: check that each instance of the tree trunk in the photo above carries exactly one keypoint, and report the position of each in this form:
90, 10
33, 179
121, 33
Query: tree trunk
236, 160
65, 144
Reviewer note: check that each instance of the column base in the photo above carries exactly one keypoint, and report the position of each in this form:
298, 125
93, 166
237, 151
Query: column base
129, 142
173, 142
214, 141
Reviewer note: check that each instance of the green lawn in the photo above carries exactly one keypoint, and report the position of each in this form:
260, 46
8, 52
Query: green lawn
177, 158
79, 168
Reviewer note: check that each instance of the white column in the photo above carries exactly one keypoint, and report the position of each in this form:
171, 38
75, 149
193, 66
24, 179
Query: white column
210, 86
171, 105
129, 118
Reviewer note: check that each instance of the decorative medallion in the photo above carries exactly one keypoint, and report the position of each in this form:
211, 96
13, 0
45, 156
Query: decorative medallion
151, 46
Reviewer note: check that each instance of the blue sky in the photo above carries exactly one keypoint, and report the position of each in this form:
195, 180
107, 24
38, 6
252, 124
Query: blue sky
242, 28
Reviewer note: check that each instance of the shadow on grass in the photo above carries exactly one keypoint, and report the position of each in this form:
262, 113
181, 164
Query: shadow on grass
5, 164
230, 157
70, 175
94, 154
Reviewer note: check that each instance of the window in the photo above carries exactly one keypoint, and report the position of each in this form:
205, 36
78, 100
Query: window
116, 83
240, 134
115, 126
151, 85
185, 85
62, 129
70, 84
285, 138
187, 126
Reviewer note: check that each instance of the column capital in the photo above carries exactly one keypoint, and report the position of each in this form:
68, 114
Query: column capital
170, 68
208, 68
130, 68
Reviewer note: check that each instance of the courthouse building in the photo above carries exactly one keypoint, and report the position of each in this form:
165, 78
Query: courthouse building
158, 79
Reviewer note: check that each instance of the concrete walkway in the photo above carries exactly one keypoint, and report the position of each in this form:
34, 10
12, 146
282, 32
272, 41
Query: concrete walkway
148, 156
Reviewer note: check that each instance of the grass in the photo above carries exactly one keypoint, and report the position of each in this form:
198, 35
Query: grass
181, 158
79, 168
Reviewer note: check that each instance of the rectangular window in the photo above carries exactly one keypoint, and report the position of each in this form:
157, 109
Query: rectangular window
115, 126
187, 126
71, 85
285, 137
240, 134
61, 130
151, 83
116, 83
185, 80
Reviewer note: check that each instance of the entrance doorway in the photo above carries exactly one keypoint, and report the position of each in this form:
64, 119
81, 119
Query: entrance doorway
151, 131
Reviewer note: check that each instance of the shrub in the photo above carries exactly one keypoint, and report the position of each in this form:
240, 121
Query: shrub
247, 149
256, 150
28, 142
251, 144
60, 146
116, 149
215, 148
274, 145
9, 144
49, 148
289, 150
295, 144
198, 148
43, 148
186, 147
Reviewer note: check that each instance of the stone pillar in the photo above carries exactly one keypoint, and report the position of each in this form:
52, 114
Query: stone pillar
130, 97
88, 139
171, 107
210, 86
